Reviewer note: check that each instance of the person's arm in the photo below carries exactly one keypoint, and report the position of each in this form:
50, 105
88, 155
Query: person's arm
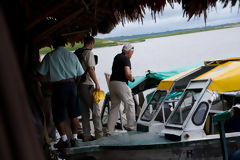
128, 73
92, 74
43, 69
41, 78
78, 79
91, 70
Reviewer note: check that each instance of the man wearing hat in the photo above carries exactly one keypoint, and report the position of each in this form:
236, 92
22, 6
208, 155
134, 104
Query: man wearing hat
119, 90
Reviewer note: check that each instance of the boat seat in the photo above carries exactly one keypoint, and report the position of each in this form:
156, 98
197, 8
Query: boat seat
167, 112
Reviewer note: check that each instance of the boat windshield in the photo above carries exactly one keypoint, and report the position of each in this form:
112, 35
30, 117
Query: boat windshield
184, 107
153, 105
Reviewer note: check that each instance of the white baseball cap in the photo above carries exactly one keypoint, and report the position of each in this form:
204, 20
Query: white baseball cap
127, 47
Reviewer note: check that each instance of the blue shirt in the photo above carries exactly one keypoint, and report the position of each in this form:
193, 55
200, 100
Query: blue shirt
60, 64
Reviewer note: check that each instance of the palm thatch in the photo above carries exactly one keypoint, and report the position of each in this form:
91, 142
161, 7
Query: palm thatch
76, 18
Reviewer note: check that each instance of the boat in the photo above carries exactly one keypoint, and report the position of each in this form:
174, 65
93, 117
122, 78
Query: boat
188, 132
37, 23
138, 87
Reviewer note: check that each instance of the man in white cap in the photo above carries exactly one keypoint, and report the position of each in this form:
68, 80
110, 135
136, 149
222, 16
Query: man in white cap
119, 90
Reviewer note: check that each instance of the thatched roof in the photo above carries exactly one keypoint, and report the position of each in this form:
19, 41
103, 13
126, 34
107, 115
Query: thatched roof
76, 18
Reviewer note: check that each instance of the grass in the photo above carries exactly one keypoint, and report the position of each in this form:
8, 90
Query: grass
98, 43
142, 39
106, 43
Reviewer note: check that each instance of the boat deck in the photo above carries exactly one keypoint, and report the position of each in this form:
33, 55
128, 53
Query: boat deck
135, 140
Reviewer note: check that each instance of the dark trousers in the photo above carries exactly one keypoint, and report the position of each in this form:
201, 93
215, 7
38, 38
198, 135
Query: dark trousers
65, 99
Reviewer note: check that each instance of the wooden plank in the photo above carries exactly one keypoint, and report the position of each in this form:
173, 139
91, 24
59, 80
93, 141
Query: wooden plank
47, 13
58, 25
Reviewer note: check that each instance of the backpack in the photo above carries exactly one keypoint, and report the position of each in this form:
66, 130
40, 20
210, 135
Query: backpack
79, 54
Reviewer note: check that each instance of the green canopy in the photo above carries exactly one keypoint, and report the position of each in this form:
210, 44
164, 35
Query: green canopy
170, 96
153, 78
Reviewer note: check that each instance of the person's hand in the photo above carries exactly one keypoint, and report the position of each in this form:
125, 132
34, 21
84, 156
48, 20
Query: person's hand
133, 79
97, 87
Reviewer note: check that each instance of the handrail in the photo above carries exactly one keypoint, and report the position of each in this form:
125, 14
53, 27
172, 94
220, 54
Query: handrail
220, 118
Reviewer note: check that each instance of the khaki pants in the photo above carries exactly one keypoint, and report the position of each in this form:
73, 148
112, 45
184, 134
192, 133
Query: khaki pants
86, 97
119, 91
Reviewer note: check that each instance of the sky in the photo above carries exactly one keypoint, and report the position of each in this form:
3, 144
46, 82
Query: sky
172, 19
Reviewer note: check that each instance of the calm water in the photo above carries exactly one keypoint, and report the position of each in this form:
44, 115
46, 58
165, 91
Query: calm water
167, 53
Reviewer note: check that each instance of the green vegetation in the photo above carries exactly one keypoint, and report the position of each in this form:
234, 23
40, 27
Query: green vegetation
142, 39
106, 43
98, 43
45, 50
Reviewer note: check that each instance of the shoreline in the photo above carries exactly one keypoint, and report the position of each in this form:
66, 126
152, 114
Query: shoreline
100, 43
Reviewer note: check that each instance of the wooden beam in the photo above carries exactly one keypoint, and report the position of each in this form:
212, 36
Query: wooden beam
76, 32
36, 4
58, 25
85, 5
47, 13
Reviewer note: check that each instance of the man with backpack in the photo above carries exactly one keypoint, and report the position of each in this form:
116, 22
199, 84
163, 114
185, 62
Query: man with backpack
87, 85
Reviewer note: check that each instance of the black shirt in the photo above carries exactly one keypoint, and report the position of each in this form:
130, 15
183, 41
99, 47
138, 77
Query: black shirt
118, 72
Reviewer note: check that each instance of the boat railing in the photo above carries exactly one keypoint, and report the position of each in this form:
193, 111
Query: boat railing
220, 118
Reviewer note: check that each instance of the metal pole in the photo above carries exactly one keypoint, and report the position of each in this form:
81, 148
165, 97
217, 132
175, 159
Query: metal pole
223, 140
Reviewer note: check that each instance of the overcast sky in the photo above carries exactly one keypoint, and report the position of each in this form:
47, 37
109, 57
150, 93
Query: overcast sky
173, 19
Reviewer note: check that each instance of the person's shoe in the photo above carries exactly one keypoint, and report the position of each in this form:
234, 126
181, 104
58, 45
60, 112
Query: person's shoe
129, 129
73, 142
98, 136
108, 134
80, 136
88, 138
61, 144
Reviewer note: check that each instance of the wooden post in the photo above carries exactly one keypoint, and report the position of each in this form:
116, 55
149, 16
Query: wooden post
18, 137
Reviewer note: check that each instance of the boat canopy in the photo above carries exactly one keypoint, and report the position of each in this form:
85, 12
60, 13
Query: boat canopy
180, 81
221, 61
166, 84
153, 78
150, 80
225, 77
171, 89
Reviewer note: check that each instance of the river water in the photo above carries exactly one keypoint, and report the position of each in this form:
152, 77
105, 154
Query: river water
169, 53
173, 52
